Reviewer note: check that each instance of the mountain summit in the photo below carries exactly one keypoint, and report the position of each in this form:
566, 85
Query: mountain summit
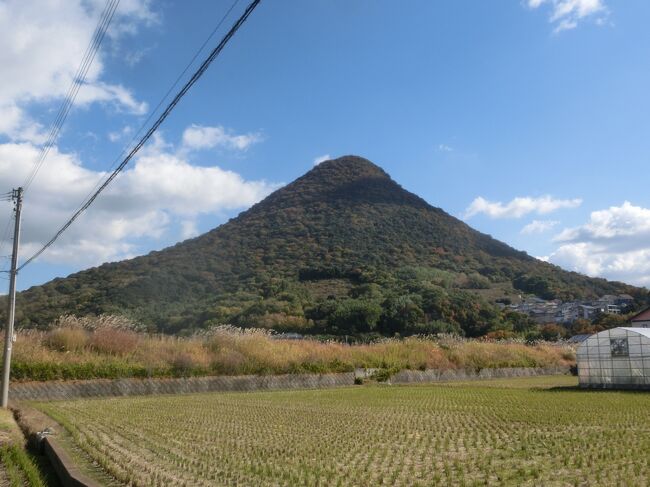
342, 249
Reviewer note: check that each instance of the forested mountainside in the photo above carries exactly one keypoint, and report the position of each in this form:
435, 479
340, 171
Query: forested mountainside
341, 250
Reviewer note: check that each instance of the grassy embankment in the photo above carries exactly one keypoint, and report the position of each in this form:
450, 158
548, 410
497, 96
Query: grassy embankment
532, 431
106, 347
18, 467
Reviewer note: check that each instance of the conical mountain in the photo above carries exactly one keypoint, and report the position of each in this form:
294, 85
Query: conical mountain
344, 240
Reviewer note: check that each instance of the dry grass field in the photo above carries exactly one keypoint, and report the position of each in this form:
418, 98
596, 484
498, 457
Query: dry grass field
106, 347
530, 431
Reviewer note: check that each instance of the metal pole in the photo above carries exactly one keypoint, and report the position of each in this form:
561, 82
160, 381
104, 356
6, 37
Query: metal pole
9, 329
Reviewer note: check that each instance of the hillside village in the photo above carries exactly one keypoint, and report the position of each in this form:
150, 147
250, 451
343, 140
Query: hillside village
556, 311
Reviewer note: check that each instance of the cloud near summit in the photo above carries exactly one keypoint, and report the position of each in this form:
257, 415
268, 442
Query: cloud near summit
162, 193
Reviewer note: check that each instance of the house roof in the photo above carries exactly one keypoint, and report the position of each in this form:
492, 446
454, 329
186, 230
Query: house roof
642, 316
578, 338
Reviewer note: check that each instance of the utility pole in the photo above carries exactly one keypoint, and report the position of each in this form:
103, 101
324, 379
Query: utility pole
17, 196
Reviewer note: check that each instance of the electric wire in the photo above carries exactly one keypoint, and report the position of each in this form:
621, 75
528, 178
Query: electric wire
161, 101
5, 235
195, 77
150, 116
77, 82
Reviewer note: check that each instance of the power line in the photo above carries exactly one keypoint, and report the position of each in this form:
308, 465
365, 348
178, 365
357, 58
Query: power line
187, 67
161, 101
5, 234
4, 240
195, 77
77, 82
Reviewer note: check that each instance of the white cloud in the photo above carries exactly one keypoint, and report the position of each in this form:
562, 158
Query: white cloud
538, 226
42, 46
102, 92
134, 56
198, 137
17, 125
323, 158
189, 229
131, 15
519, 207
119, 135
185, 189
161, 192
615, 225
614, 243
566, 14
445, 148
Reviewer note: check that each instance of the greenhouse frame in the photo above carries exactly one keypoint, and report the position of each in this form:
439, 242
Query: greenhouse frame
615, 359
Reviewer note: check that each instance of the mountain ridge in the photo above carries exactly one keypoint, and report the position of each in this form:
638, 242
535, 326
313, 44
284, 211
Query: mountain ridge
302, 256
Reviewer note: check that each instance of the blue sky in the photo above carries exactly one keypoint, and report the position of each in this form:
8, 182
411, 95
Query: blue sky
527, 119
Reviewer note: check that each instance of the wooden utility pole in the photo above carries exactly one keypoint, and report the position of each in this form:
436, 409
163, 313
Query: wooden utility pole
17, 196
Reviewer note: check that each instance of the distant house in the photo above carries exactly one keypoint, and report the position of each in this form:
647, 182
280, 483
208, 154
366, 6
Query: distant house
625, 300
555, 311
568, 313
588, 312
543, 315
575, 339
607, 299
642, 319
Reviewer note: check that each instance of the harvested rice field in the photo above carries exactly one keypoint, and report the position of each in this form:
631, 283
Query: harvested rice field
525, 431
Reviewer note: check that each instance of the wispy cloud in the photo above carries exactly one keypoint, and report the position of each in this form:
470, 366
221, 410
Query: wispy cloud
566, 14
539, 226
189, 229
323, 158
519, 207
198, 137
445, 148
118, 135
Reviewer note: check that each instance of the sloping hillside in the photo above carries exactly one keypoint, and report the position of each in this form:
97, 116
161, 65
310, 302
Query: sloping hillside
343, 249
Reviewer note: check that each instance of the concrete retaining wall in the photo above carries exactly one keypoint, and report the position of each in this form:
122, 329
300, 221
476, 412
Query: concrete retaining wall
69, 474
136, 387
434, 375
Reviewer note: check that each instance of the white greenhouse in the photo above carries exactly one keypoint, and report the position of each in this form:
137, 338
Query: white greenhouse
616, 358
